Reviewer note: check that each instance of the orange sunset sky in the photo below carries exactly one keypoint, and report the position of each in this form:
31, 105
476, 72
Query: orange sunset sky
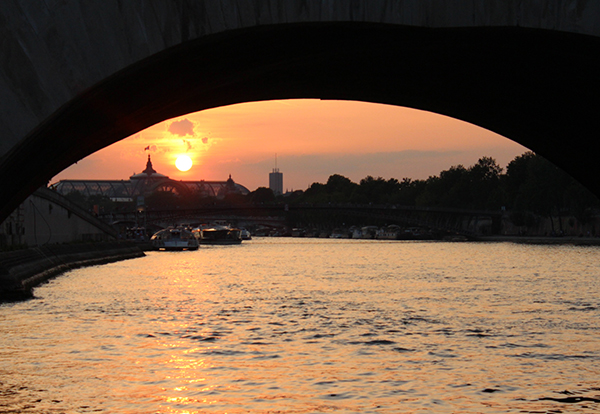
311, 139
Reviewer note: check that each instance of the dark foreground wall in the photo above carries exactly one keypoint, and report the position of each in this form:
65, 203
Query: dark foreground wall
21, 271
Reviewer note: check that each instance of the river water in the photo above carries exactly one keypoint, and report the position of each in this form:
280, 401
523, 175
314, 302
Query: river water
312, 326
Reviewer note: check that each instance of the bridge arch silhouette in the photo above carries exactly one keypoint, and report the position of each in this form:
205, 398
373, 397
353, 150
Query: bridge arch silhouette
78, 76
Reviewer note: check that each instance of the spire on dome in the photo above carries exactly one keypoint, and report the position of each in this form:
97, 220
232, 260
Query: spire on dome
149, 170
230, 184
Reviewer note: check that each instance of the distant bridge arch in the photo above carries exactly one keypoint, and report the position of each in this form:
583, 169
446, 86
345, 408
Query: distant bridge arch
76, 76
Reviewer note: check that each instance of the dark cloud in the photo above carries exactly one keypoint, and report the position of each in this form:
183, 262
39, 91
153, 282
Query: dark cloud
340, 163
182, 128
301, 170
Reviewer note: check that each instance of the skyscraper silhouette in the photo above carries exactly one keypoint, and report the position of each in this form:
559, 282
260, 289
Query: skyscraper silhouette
276, 181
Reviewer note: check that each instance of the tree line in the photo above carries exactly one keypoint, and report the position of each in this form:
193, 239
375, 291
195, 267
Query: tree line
531, 187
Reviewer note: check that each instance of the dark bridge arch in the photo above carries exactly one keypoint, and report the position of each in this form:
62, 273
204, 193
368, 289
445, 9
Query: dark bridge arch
537, 87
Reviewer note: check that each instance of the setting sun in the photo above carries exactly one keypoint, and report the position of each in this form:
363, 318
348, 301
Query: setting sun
313, 139
183, 163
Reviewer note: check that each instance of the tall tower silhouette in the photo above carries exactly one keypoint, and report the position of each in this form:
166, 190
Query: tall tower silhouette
276, 180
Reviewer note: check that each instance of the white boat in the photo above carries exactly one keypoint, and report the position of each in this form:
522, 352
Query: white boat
368, 232
245, 234
174, 238
217, 234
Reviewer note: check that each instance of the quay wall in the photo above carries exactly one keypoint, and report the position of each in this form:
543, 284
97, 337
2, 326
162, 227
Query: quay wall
47, 217
22, 270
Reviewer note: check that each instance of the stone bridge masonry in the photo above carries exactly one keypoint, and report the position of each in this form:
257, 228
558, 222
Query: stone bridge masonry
76, 76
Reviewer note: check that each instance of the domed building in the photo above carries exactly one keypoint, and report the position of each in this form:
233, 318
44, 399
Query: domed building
146, 183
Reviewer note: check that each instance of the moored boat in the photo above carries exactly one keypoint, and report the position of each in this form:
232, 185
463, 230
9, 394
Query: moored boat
245, 234
217, 235
174, 238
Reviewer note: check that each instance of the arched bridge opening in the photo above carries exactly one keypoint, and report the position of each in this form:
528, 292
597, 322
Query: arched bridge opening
536, 87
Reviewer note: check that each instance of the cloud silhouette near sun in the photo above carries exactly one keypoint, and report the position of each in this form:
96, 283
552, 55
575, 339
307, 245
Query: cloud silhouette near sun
182, 128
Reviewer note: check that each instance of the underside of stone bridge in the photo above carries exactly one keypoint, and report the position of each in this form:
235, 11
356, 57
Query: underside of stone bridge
537, 87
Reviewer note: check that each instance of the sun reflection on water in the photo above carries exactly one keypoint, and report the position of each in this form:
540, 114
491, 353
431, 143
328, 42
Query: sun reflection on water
306, 326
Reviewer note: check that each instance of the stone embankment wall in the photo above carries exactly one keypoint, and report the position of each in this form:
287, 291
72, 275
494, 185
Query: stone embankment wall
47, 217
22, 270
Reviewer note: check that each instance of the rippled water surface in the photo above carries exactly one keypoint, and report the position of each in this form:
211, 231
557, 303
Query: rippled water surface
312, 326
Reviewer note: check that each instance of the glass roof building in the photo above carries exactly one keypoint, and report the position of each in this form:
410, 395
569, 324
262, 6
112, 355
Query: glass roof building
146, 183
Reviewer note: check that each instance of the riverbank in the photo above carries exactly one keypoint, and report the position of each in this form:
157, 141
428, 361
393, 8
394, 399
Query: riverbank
577, 241
544, 240
22, 270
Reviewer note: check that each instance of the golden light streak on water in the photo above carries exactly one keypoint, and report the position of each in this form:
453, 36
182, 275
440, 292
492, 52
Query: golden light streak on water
299, 326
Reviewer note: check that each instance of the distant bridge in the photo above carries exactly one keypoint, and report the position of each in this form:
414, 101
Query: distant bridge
79, 75
459, 221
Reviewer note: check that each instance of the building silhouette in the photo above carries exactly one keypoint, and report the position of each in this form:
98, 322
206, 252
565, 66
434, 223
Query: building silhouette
276, 181
146, 183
